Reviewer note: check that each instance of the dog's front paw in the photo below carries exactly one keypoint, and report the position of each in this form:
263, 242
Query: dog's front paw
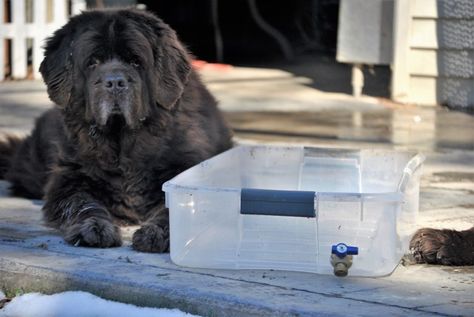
151, 238
434, 246
93, 232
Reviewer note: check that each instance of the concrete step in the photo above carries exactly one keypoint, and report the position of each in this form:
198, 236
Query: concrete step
34, 258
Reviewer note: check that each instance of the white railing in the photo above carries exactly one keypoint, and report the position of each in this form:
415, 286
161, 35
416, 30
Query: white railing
19, 31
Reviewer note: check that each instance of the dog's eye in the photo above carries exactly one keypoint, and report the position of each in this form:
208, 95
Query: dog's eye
135, 63
92, 63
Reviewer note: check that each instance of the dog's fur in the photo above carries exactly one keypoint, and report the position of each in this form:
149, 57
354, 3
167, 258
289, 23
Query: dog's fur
445, 247
130, 114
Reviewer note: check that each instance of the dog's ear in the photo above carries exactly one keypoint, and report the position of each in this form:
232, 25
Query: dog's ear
56, 67
173, 67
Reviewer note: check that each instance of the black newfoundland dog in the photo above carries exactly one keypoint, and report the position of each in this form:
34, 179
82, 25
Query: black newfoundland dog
131, 113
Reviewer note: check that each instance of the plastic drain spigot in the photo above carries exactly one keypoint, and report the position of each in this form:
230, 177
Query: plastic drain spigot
341, 258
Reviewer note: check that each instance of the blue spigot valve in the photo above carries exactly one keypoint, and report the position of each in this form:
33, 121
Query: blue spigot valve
342, 249
341, 258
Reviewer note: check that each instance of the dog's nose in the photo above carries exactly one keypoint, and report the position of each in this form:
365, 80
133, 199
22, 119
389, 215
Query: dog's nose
115, 82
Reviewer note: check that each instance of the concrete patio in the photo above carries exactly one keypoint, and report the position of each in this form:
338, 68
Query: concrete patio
271, 106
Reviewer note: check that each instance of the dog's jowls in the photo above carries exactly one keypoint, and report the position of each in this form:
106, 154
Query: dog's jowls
130, 114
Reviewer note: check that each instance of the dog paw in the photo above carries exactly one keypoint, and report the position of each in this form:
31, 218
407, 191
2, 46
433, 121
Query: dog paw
94, 232
434, 246
151, 238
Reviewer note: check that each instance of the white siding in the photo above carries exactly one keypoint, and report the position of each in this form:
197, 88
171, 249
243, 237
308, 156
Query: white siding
434, 56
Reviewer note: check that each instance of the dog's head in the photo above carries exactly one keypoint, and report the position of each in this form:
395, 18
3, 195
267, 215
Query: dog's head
115, 65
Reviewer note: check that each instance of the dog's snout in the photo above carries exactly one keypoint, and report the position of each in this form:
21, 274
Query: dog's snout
115, 82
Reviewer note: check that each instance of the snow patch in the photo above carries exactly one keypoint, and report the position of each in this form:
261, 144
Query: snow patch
79, 304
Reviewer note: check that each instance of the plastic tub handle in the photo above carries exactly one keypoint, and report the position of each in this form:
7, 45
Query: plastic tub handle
277, 202
412, 166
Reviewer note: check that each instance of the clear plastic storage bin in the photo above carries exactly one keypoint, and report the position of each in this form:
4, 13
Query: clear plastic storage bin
284, 208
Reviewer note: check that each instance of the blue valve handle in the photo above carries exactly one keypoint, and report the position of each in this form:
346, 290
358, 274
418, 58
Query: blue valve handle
342, 249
